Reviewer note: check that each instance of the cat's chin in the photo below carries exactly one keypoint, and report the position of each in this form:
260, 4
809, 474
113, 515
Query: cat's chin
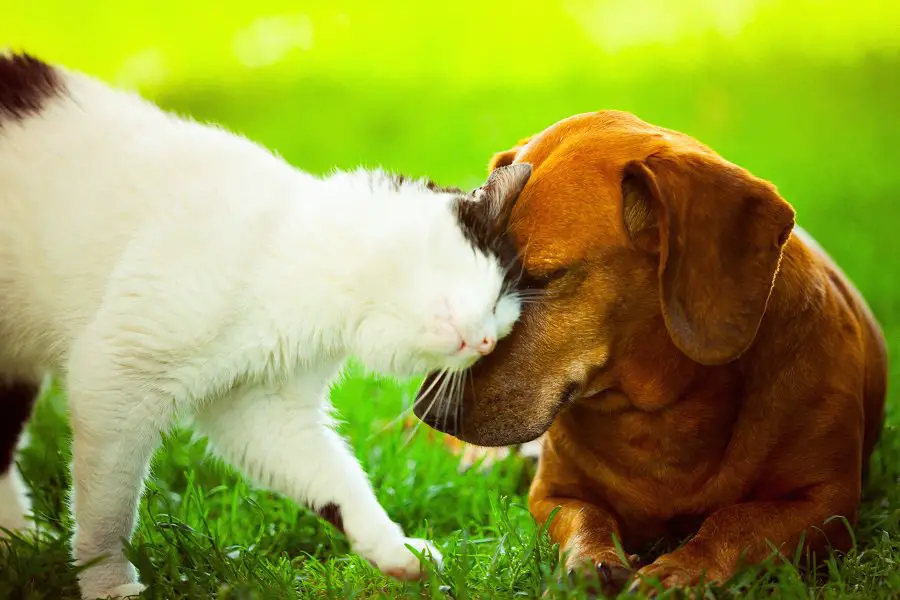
418, 364
400, 370
423, 370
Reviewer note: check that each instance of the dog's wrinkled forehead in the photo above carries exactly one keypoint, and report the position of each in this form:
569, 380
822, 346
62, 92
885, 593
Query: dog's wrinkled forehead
613, 138
573, 203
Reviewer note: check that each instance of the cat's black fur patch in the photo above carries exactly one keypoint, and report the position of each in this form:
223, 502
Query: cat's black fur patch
441, 189
482, 231
398, 180
25, 83
331, 512
16, 402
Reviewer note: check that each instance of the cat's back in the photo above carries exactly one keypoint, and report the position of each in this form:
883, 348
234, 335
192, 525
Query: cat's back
85, 170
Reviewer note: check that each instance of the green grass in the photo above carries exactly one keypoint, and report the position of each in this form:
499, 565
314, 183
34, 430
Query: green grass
806, 98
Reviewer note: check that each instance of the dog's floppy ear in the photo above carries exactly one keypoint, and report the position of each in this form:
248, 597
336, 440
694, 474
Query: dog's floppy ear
505, 158
719, 232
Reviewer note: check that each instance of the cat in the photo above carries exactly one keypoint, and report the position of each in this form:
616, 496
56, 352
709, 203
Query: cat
161, 267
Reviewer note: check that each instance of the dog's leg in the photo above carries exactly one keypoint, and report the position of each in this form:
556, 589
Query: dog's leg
117, 418
751, 532
283, 438
585, 534
584, 529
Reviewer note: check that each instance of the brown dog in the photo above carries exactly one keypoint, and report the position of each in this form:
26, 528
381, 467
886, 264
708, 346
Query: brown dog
706, 368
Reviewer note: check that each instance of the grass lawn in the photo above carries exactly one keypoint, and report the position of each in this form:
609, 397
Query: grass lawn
811, 107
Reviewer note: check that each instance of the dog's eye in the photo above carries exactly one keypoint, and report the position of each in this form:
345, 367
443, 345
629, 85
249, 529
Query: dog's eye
541, 280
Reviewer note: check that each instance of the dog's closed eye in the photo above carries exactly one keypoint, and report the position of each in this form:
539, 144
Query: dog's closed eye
540, 280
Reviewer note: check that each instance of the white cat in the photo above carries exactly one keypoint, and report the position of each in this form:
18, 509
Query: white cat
163, 267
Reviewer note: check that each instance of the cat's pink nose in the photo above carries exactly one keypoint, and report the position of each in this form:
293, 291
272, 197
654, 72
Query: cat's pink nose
486, 346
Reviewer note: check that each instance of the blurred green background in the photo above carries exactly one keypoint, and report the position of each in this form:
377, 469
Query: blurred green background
804, 93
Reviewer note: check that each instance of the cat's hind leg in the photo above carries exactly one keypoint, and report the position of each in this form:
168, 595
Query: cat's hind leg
16, 402
282, 437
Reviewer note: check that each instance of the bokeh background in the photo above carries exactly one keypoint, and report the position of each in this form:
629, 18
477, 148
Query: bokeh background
805, 93
802, 92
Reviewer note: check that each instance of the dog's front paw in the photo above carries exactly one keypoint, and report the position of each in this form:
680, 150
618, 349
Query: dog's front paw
668, 573
399, 562
605, 578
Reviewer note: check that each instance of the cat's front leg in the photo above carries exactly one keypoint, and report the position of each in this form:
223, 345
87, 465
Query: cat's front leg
117, 419
283, 439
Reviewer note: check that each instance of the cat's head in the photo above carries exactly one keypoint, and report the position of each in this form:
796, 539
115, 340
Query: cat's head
454, 296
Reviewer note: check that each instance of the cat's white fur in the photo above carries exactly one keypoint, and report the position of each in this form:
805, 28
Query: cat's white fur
164, 267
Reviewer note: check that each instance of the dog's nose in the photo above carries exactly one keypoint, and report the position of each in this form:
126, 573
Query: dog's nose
486, 345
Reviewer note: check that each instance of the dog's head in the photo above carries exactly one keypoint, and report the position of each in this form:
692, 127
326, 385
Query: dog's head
628, 233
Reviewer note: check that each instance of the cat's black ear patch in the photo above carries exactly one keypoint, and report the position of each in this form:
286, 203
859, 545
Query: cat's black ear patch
398, 180
441, 189
502, 188
25, 83
484, 217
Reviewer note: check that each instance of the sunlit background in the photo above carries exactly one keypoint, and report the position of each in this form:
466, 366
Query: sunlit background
804, 93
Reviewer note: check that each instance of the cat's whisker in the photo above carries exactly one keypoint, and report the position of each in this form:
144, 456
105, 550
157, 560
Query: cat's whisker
531, 292
472, 384
516, 260
452, 398
458, 398
531, 301
408, 438
405, 412
449, 399
437, 396
521, 261
446, 399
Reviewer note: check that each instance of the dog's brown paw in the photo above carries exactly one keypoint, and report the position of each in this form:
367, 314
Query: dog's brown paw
604, 579
667, 573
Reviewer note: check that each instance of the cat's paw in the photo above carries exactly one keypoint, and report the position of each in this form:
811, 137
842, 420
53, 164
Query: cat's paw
397, 561
128, 590
111, 580
16, 522
14, 507
120, 592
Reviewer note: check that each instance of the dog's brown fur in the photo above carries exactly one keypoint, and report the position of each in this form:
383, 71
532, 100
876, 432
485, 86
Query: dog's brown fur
706, 368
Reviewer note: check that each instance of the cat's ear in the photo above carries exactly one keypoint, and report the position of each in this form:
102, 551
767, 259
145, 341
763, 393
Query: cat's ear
502, 188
